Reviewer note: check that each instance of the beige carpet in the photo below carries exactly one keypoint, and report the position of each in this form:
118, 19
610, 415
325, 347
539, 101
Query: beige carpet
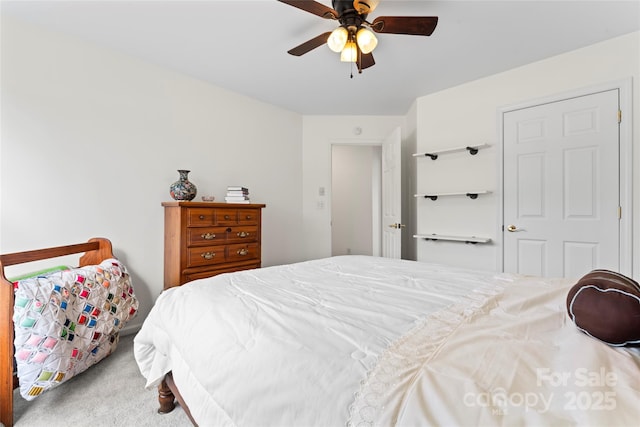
110, 393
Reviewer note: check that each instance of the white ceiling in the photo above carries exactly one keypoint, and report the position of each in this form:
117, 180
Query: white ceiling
242, 45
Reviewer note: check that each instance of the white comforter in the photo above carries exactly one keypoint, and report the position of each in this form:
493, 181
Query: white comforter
352, 340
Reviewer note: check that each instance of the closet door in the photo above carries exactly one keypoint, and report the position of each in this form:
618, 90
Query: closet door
561, 187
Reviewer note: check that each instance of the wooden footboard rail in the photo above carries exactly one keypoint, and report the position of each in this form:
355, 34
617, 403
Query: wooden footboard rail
95, 251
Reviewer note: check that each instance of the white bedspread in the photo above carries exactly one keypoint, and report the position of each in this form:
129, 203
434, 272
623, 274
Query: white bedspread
371, 341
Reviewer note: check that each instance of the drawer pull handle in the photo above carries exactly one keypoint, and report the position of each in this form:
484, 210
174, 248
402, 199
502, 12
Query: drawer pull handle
248, 216
243, 234
208, 255
243, 251
201, 217
226, 217
208, 236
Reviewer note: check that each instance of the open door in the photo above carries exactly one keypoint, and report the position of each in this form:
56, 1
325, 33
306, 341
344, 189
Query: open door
391, 196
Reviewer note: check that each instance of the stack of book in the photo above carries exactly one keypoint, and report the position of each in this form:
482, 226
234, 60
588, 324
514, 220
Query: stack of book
237, 195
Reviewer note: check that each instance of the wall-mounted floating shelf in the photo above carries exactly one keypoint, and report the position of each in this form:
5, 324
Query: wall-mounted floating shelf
470, 194
466, 239
473, 150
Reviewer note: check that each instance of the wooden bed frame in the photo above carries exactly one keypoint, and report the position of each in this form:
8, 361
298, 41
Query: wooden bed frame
95, 251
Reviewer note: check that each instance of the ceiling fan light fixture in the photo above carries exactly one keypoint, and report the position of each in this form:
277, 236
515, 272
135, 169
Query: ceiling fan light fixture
365, 6
354, 38
338, 39
349, 53
367, 41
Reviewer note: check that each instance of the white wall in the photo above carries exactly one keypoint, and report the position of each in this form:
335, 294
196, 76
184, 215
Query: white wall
319, 133
91, 141
467, 114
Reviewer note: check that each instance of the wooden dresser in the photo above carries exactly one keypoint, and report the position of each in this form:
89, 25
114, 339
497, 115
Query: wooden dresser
202, 239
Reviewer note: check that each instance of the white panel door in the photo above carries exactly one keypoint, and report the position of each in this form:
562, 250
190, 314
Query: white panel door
561, 187
391, 196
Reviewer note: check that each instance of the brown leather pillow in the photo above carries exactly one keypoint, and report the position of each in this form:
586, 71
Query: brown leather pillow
606, 305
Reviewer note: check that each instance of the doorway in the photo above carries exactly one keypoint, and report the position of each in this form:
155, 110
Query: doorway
356, 192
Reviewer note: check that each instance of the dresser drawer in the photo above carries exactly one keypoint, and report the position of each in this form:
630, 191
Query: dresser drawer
189, 276
206, 235
200, 217
248, 216
242, 252
242, 233
226, 216
205, 255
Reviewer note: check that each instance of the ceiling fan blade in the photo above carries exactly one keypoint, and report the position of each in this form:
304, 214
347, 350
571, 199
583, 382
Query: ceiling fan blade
313, 7
365, 60
310, 44
412, 25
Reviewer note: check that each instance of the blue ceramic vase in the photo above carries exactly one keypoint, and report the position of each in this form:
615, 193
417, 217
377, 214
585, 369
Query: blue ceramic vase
183, 189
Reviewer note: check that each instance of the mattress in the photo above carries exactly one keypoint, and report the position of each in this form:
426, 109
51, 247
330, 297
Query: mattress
358, 340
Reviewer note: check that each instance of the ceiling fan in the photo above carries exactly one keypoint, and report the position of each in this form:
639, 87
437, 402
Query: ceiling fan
353, 38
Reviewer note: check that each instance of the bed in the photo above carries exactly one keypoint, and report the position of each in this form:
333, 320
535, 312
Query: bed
66, 318
363, 341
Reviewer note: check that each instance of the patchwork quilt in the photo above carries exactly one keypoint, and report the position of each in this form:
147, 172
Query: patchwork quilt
67, 321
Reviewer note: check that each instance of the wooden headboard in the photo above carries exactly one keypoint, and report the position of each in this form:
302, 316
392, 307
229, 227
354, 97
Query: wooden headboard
95, 251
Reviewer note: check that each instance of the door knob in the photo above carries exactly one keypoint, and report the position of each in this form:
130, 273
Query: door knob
512, 228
